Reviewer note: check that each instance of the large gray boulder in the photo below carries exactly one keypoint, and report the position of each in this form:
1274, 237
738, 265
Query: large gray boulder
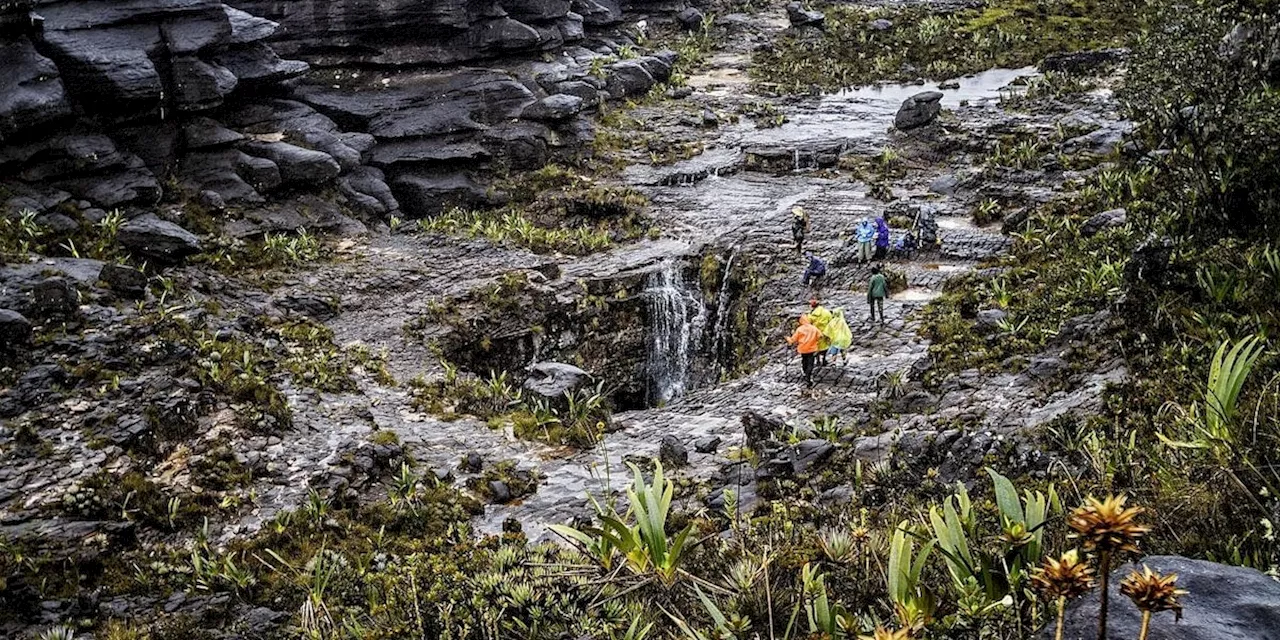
628, 78
31, 92
554, 107
425, 194
598, 12
157, 240
1105, 220
552, 380
918, 110
1222, 603
298, 166
799, 16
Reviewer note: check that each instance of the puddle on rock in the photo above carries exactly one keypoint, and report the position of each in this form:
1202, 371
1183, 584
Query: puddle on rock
915, 294
843, 121
948, 222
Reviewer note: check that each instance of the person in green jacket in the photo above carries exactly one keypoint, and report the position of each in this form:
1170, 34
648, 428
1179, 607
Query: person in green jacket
877, 291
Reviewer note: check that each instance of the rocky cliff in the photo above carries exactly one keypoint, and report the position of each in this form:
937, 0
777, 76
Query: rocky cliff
124, 103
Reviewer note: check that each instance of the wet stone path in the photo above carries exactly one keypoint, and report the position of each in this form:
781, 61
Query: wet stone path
712, 200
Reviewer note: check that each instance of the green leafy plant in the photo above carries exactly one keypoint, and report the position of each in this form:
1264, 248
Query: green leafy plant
640, 534
913, 603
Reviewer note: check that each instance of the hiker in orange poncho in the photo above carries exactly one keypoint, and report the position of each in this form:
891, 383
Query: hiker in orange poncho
806, 340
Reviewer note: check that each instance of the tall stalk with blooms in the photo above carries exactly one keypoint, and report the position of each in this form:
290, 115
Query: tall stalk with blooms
1107, 527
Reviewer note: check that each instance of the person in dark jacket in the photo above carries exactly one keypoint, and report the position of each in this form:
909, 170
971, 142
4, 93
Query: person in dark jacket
882, 238
815, 272
799, 227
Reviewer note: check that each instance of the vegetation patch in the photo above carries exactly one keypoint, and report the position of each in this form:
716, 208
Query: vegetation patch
552, 209
854, 49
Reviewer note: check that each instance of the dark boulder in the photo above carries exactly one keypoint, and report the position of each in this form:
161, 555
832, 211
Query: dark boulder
298, 166
691, 19
246, 28
672, 453
799, 16
759, 428
31, 92
536, 10
15, 331
54, 298
1043, 367
201, 133
708, 444
158, 240
991, 319
628, 78
598, 12
367, 190
257, 65
424, 195
126, 281
1222, 603
811, 452
918, 110
1081, 61
108, 69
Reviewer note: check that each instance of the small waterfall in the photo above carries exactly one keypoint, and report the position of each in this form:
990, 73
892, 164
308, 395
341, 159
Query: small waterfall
723, 312
677, 319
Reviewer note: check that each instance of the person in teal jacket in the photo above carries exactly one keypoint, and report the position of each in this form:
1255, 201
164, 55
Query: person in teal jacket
877, 291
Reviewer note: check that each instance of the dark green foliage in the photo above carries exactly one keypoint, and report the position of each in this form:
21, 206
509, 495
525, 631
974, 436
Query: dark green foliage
1003, 33
1212, 103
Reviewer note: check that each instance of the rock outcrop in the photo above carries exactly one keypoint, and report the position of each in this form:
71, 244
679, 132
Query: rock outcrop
110, 100
1222, 603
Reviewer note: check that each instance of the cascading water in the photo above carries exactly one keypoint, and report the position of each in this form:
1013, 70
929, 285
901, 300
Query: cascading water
677, 317
722, 313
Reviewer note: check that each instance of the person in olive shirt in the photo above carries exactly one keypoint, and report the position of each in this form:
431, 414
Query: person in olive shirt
877, 291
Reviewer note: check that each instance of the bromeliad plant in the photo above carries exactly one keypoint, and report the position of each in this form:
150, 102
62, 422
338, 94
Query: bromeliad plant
913, 602
643, 543
1001, 572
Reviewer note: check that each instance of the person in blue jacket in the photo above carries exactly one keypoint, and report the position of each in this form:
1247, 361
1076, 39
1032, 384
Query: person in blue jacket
864, 235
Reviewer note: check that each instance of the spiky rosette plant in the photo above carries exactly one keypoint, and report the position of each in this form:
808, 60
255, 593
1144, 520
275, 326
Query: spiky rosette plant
1152, 593
1107, 527
1062, 579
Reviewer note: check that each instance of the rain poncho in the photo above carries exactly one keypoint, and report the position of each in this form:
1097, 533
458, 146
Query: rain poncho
882, 233
806, 336
838, 331
865, 232
821, 317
